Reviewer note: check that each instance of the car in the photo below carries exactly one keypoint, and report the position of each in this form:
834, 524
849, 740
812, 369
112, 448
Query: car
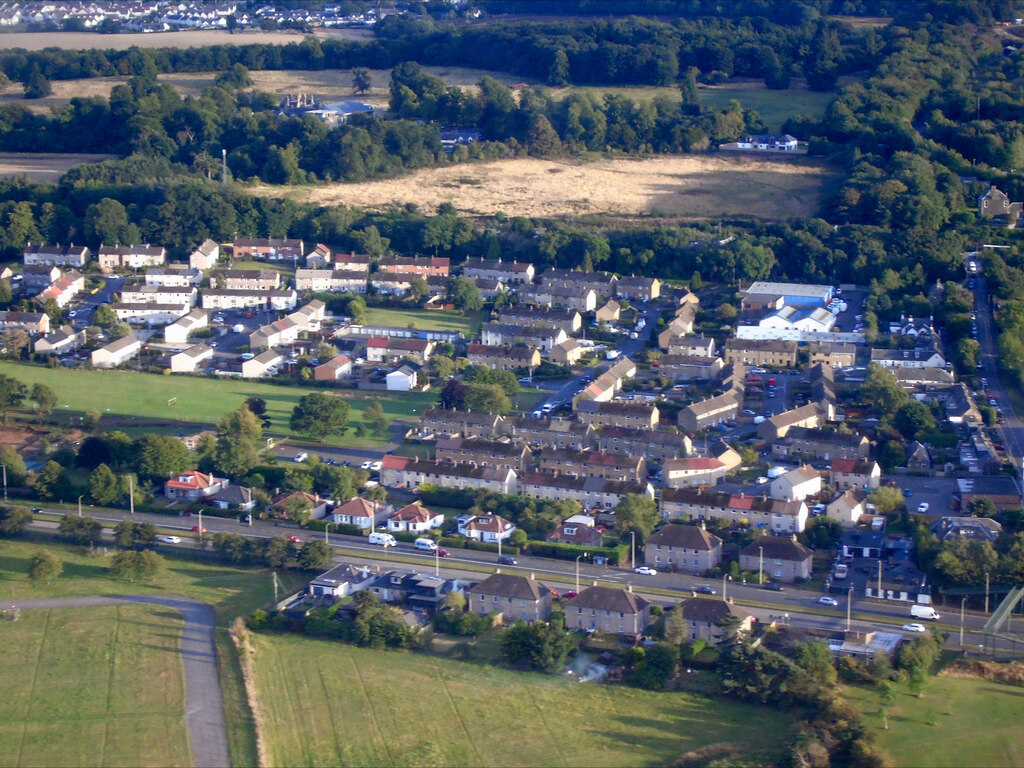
213, 343
169, 539
817, 509
37, 509
992, 402
974, 315
705, 590
72, 313
569, 595
332, 462
748, 412
634, 335
773, 586
524, 379
999, 446
197, 529
506, 560
906, 492
218, 319
294, 539
828, 601
554, 592
645, 570
922, 507
365, 465
913, 628
248, 356
442, 552
248, 315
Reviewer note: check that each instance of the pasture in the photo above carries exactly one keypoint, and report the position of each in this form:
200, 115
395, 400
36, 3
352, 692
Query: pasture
690, 187
324, 703
958, 721
96, 686
123, 398
196, 38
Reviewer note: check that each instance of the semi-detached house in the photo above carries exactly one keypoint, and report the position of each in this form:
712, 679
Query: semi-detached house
113, 257
612, 610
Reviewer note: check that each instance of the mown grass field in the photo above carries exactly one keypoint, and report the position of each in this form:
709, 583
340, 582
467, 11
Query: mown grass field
102, 686
957, 722
329, 704
120, 396
426, 320
43, 167
232, 592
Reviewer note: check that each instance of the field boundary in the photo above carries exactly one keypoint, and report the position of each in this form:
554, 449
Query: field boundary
204, 702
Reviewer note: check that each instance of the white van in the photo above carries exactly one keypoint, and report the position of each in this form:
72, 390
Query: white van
384, 539
924, 612
428, 544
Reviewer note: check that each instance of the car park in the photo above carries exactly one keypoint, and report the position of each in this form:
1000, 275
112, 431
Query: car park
914, 628
644, 570
828, 601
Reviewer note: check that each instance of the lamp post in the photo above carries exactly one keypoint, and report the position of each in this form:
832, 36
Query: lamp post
437, 561
760, 564
200, 524
879, 595
632, 549
327, 527
849, 607
131, 494
80, 505
963, 600
986, 591
5, 482
578, 573
725, 579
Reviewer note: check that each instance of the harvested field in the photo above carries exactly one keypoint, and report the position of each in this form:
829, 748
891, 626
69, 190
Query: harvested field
75, 41
690, 187
44, 167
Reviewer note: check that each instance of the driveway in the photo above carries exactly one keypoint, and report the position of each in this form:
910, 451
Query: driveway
204, 704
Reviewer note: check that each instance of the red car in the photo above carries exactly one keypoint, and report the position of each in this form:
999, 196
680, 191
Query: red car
569, 595
196, 529
294, 539
443, 553
554, 592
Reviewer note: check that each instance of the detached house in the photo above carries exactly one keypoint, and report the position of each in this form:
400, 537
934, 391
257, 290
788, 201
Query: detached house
780, 558
413, 518
848, 508
681, 547
607, 609
192, 486
362, 513
797, 484
205, 256
336, 368
492, 528
512, 596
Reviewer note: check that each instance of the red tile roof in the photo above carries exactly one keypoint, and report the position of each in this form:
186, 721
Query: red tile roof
394, 462
844, 465
190, 481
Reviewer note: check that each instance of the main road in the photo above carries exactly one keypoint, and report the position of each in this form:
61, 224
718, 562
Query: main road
1012, 427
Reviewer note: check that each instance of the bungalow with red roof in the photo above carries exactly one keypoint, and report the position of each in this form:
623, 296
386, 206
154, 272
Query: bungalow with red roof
491, 528
695, 470
193, 485
414, 518
580, 530
284, 505
336, 368
851, 473
362, 513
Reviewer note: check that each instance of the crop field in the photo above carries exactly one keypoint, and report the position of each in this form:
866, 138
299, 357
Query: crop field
957, 722
690, 187
328, 704
121, 396
100, 686
73, 41
43, 167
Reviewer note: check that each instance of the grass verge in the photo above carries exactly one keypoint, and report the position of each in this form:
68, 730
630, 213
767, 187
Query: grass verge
377, 708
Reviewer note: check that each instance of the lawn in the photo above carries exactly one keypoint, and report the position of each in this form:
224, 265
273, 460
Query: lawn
122, 396
426, 320
231, 591
956, 722
329, 704
101, 686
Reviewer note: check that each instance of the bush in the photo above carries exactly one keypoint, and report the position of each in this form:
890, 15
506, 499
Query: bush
614, 555
486, 546
345, 529
434, 495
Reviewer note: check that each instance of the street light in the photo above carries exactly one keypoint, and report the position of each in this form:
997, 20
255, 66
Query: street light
578, 572
963, 600
849, 606
632, 549
986, 590
5, 482
327, 527
80, 505
725, 577
760, 564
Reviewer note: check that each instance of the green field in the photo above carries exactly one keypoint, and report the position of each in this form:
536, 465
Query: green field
426, 320
775, 107
329, 704
957, 722
100, 686
232, 592
120, 396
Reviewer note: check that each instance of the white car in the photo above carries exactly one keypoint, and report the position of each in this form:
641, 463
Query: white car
922, 507
72, 313
218, 319
365, 465
168, 539
375, 466
828, 601
644, 570
914, 628
761, 480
